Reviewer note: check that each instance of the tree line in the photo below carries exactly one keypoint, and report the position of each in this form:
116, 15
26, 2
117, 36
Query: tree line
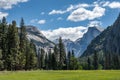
107, 62
57, 59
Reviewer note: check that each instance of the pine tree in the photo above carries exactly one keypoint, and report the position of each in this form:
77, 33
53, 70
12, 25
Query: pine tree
106, 65
31, 58
46, 61
69, 59
39, 61
23, 37
3, 42
1, 56
13, 47
95, 63
62, 54
1, 61
42, 58
54, 62
56, 58
74, 65
22, 60
50, 60
73, 54
9, 41
89, 63
23, 40
73, 62
27, 56
0, 35
116, 61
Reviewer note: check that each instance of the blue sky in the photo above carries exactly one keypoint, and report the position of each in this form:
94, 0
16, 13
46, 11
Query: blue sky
53, 16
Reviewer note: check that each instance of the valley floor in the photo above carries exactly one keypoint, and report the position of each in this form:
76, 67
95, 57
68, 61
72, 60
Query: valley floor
61, 75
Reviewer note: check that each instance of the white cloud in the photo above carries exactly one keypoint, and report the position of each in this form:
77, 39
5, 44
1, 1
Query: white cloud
7, 4
83, 11
3, 15
105, 3
70, 8
95, 23
114, 5
82, 14
72, 33
41, 21
56, 12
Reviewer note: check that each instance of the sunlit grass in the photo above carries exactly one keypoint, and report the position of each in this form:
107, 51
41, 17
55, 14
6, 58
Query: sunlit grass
61, 75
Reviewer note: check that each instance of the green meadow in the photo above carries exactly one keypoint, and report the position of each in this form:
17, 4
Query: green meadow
61, 75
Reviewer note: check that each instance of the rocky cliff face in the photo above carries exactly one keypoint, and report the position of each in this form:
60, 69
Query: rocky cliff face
107, 42
81, 44
38, 38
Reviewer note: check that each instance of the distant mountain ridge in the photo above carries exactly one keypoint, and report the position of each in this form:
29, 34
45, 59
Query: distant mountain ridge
80, 45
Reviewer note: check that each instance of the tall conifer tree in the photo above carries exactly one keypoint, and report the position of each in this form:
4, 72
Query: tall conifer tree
95, 63
62, 54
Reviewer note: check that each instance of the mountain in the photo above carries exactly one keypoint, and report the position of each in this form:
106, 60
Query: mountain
80, 45
107, 42
38, 38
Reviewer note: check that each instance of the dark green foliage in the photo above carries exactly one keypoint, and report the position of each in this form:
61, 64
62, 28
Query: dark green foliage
23, 37
42, 57
56, 58
46, 61
13, 45
39, 61
69, 60
95, 61
3, 42
108, 61
72, 63
23, 43
89, 63
73, 55
54, 62
31, 58
50, 60
112, 61
116, 61
1, 61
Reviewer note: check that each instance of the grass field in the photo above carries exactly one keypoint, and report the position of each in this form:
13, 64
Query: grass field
61, 75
